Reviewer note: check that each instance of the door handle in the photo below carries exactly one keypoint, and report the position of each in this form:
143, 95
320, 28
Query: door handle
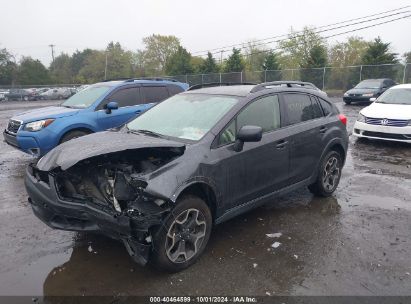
281, 144
323, 129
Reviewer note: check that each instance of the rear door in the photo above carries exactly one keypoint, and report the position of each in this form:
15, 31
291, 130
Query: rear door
306, 126
261, 167
129, 105
153, 94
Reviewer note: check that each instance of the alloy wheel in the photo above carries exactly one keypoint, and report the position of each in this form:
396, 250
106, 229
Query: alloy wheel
185, 235
331, 174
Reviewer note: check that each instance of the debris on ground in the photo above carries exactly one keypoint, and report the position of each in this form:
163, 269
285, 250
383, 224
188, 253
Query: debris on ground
276, 244
274, 235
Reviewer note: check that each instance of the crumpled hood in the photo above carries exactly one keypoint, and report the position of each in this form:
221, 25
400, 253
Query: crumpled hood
69, 153
362, 91
390, 111
44, 113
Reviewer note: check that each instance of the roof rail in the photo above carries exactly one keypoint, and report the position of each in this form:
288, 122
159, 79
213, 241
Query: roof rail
217, 84
290, 84
116, 79
152, 78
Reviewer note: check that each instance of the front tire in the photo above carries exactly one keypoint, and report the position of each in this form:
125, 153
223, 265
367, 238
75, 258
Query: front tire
329, 175
182, 239
347, 102
71, 135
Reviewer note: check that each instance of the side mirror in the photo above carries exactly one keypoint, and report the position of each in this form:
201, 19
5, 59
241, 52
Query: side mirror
384, 88
112, 105
247, 134
372, 99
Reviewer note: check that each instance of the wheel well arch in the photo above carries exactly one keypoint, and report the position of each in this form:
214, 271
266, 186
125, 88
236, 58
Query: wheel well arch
337, 147
82, 129
203, 191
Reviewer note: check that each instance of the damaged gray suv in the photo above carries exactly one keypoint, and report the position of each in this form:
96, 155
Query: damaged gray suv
199, 158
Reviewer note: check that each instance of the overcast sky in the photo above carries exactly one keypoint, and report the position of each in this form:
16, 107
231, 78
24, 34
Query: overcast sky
27, 27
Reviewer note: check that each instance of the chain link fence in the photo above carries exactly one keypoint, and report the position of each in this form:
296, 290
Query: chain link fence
333, 80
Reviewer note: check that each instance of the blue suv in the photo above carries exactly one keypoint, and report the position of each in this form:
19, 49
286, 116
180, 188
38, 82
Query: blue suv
100, 107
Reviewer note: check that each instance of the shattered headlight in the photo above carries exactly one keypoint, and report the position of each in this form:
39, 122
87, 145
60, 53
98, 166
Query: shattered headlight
37, 125
361, 118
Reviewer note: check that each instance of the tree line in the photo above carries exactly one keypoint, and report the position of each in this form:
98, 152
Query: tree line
164, 55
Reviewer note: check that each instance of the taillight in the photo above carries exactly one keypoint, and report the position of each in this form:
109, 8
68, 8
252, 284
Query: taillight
343, 119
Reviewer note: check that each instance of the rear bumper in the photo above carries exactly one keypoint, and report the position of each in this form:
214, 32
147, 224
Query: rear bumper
89, 217
400, 134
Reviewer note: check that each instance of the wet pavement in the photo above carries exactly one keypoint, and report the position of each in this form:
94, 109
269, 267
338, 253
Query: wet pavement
354, 243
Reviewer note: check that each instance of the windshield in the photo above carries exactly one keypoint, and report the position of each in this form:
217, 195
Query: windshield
368, 84
396, 96
86, 97
186, 116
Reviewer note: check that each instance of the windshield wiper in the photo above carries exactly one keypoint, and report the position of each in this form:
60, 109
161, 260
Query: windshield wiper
146, 132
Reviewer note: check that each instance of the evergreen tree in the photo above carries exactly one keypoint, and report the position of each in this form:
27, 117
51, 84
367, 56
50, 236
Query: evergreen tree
271, 68
235, 62
378, 53
179, 63
209, 65
310, 69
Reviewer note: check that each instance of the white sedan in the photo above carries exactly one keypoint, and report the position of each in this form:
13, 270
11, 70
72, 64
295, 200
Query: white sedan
388, 117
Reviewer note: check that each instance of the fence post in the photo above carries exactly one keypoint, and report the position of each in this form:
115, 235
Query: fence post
323, 79
265, 75
403, 76
360, 72
186, 78
220, 77
202, 78
241, 77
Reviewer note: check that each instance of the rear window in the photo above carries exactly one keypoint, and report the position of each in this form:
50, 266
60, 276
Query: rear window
126, 97
154, 94
300, 108
326, 106
174, 89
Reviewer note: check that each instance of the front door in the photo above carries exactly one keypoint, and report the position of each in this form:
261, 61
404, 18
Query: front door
261, 167
129, 106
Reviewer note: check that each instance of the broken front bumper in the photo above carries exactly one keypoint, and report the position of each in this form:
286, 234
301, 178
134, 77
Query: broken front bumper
67, 215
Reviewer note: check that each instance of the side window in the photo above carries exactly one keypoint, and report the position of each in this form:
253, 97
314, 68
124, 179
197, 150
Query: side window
317, 112
299, 108
327, 108
174, 89
154, 94
264, 112
126, 97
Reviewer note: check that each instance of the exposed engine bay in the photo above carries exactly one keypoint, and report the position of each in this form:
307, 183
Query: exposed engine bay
115, 182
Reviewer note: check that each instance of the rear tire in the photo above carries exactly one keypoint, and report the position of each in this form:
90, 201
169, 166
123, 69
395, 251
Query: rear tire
72, 134
329, 175
180, 241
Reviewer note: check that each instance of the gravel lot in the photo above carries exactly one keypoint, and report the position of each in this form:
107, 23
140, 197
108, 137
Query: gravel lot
354, 243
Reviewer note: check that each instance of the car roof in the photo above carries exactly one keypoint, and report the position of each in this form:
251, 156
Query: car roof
244, 90
376, 79
121, 82
402, 86
235, 90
